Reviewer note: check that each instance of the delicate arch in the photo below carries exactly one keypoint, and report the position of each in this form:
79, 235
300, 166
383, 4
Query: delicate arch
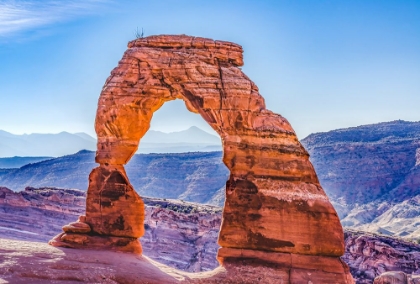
274, 201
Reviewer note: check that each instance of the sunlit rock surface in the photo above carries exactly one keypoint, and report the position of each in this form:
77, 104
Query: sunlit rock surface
31, 262
272, 181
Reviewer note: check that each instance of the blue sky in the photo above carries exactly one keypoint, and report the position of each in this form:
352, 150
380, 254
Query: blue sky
321, 64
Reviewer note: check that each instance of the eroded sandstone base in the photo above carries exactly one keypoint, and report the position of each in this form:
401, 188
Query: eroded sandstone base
31, 262
83, 241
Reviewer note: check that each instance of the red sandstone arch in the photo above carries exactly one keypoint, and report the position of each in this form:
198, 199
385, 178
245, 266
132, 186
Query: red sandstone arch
274, 201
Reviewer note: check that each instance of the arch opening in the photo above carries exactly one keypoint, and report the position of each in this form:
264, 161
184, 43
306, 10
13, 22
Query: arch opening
189, 176
187, 164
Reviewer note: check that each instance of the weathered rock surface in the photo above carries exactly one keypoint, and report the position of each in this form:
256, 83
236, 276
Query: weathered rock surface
274, 202
369, 255
78, 227
272, 184
36, 214
341, 157
180, 234
113, 207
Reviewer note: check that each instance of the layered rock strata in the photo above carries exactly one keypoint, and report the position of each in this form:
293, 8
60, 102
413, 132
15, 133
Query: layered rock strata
368, 163
274, 202
37, 214
114, 214
370, 255
182, 235
179, 234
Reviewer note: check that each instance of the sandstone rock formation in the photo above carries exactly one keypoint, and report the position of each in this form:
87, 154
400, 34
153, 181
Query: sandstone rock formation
347, 162
369, 256
397, 277
182, 235
37, 214
275, 209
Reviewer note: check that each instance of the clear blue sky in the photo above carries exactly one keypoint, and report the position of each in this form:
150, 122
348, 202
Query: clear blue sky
321, 64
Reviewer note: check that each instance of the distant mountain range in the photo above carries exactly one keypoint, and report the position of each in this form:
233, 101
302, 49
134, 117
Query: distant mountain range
35, 145
192, 139
55, 145
372, 175
192, 135
17, 162
197, 177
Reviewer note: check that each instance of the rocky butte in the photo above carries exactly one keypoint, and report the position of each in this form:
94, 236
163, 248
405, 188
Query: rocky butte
276, 215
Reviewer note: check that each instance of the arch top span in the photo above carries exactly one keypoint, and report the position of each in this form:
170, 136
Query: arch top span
202, 72
274, 201
224, 51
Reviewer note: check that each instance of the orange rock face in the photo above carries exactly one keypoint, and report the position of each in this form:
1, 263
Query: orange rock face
113, 207
274, 201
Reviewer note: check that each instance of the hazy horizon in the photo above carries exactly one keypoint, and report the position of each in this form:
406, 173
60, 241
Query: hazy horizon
208, 131
93, 136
